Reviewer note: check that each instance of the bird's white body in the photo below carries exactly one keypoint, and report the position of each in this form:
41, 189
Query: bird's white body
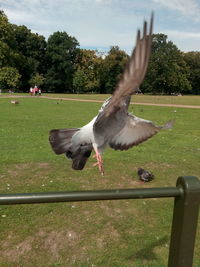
86, 134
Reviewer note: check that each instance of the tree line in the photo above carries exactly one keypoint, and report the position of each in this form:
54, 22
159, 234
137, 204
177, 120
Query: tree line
59, 65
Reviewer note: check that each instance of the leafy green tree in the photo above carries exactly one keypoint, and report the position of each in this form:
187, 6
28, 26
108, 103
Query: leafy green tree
193, 62
60, 58
6, 30
79, 81
31, 48
112, 69
37, 79
9, 78
5, 54
167, 71
87, 65
8, 56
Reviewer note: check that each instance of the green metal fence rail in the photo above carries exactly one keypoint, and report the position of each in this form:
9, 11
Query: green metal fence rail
185, 215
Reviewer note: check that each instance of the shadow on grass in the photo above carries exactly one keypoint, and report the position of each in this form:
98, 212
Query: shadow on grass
147, 253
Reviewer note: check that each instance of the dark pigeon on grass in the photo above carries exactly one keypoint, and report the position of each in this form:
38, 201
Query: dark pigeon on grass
145, 176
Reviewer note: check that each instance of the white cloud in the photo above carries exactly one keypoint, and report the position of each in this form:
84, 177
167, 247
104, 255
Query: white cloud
183, 35
20, 17
102, 23
103, 1
188, 8
185, 41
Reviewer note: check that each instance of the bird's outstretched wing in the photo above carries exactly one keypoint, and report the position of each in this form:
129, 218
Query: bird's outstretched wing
135, 131
113, 117
135, 70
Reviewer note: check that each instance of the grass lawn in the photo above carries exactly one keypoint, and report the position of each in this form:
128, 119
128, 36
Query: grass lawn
157, 99
101, 233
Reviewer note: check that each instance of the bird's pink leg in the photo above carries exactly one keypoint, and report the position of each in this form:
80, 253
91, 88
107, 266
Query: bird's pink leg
99, 162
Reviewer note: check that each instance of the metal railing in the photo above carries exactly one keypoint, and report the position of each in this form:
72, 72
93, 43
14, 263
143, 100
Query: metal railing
185, 214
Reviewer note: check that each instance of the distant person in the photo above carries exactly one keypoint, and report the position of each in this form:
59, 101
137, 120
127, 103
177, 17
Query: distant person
39, 92
36, 90
0, 91
31, 91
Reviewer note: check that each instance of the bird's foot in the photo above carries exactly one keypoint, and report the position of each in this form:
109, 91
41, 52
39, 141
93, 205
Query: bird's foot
99, 162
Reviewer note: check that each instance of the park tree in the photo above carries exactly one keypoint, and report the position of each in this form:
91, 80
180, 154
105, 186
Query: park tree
21, 49
5, 54
31, 48
193, 62
37, 79
86, 76
8, 56
167, 71
80, 81
112, 69
9, 78
61, 53
6, 30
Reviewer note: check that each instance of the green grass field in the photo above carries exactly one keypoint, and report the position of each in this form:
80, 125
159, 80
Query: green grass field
101, 233
157, 99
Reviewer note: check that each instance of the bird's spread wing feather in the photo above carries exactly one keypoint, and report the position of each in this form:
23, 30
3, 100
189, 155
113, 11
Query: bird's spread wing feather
131, 79
135, 131
135, 70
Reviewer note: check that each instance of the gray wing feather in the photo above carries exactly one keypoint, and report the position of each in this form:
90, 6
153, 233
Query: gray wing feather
135, 70
135, 131
112, 118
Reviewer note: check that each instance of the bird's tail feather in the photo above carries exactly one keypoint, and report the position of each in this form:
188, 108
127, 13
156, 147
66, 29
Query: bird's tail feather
80, 159
60, 139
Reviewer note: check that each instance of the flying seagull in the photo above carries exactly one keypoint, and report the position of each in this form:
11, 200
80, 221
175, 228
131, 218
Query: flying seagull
113, 126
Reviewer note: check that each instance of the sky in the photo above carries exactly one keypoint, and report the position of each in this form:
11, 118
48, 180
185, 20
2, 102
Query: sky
99, 24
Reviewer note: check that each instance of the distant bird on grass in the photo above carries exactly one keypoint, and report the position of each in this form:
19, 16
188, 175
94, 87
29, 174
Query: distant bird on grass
113, 126
14, 102
145, 176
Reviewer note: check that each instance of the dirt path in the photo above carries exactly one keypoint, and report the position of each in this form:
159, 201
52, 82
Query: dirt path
101, 101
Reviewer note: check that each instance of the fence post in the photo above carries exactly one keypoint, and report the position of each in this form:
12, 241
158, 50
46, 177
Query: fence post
184, 224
